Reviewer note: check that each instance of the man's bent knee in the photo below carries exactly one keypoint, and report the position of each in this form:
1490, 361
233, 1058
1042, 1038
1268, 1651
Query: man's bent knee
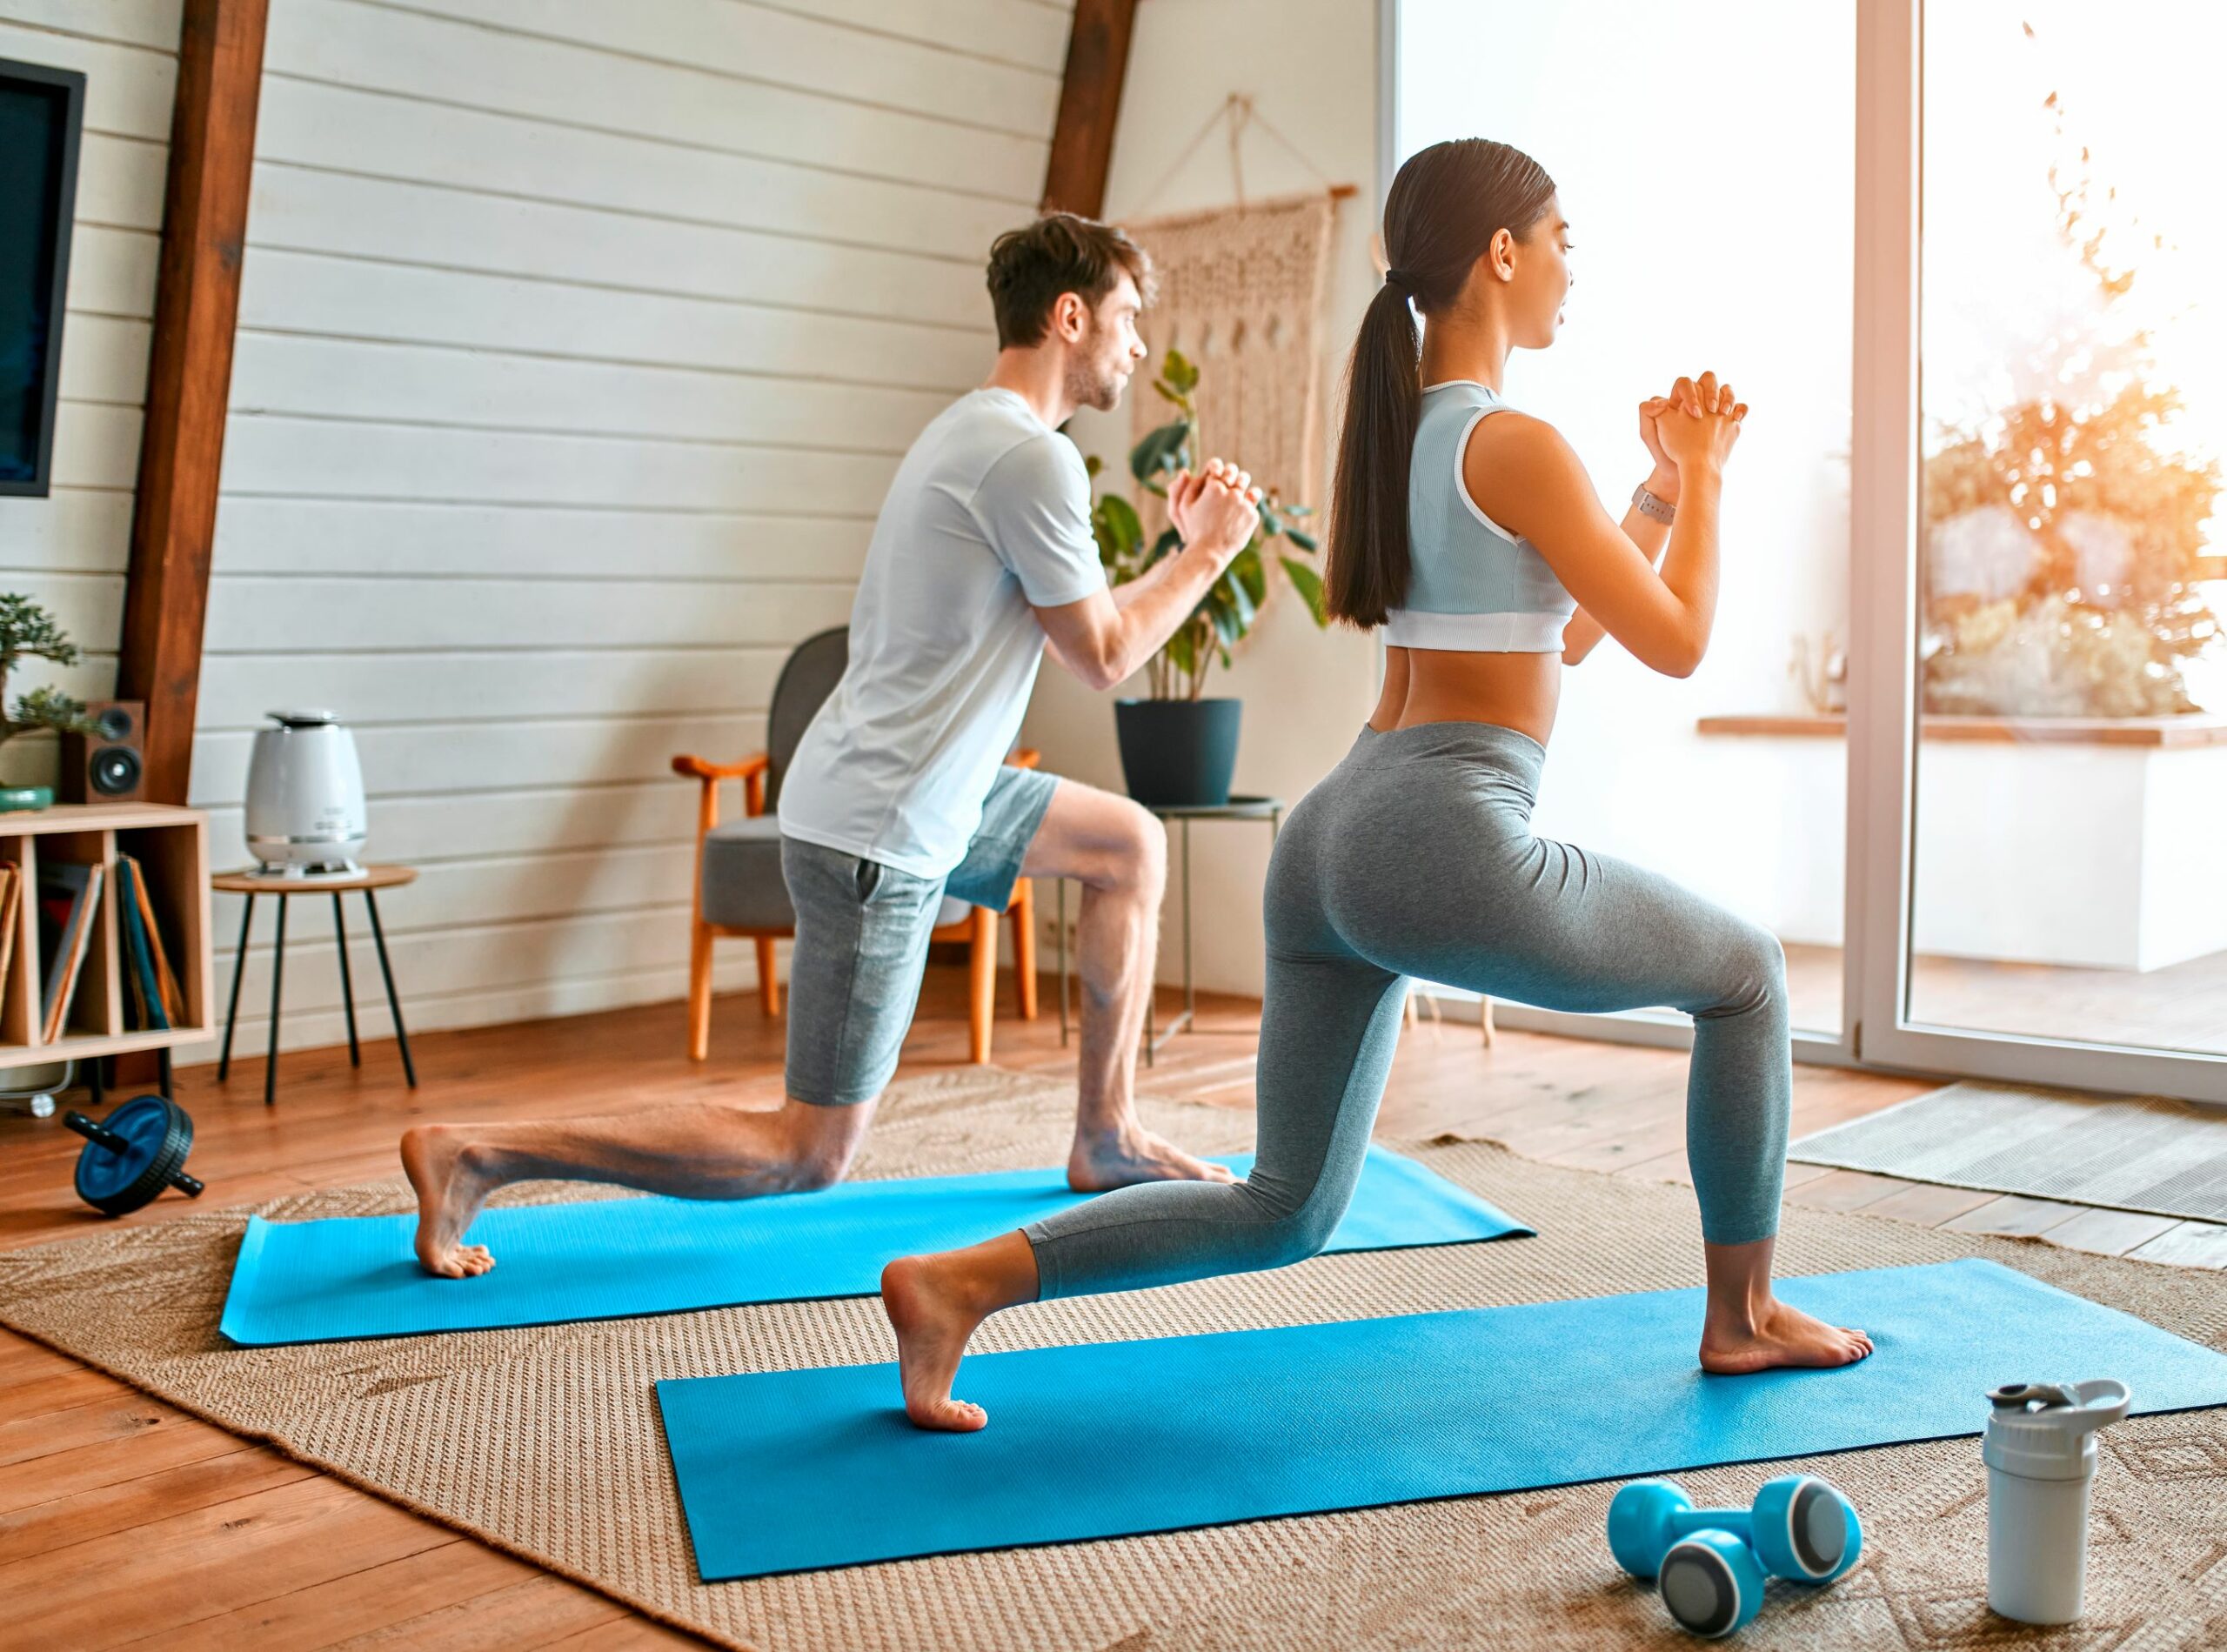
822, 1142
1139, 854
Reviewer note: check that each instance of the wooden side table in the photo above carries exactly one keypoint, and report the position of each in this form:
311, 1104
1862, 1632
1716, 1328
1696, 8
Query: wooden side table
369, 881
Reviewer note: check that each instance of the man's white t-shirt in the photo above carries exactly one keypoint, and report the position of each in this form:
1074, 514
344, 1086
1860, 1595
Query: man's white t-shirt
988, 520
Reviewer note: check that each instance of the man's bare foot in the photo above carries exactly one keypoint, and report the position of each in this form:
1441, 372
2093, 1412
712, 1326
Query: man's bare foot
1778, 1335
932, 1320
450, 1192
1123, 1158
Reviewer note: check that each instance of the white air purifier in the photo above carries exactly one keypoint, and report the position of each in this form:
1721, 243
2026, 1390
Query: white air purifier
305, 813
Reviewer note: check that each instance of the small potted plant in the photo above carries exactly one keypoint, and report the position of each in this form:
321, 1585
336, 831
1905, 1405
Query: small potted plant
28, 632
1178, 748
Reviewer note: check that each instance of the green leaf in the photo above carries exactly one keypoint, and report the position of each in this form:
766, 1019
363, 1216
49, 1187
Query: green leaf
26, 629
1304, 541
1289, 509
1122, 520
47, 708
1229, 625
1308, 583
1091, 466
1169, 541
1250, 575
1270, 524
1162, 450
1179, 652
1180, 371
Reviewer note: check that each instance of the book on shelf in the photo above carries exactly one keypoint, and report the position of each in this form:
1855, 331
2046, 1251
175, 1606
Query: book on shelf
168, 994
143, 1006
69, 897
11, 898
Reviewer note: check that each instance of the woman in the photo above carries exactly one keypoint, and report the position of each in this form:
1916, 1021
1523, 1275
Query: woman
1472, 534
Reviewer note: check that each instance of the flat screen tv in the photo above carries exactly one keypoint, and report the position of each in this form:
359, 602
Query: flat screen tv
41, 111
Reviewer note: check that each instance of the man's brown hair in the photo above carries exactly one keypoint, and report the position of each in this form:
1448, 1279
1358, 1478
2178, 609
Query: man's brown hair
1060, 252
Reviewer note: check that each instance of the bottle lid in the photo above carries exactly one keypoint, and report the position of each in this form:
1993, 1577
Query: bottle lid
2047, 1430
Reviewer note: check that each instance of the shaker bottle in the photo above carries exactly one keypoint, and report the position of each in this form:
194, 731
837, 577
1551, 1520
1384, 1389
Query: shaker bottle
2040, 1452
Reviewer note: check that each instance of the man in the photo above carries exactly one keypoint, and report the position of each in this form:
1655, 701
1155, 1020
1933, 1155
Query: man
899, 792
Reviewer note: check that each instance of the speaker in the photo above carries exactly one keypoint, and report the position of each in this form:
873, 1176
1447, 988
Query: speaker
110, 767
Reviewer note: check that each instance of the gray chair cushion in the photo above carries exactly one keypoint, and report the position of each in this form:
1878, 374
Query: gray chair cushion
742, 887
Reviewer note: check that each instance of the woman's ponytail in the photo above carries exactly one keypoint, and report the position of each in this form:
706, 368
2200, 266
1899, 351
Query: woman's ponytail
1365, 573
1444, 207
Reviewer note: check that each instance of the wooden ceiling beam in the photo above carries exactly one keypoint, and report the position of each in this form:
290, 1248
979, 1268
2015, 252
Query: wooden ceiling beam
1090, 104
190, 377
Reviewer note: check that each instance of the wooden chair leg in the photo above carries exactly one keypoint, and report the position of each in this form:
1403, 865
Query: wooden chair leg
1024, 945
699, 991
981, 984
769, 979
1485, 1020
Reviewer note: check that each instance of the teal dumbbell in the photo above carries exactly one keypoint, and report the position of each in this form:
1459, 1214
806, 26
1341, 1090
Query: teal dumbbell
1711, 1562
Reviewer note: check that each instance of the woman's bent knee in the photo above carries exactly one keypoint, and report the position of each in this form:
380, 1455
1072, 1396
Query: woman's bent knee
1755, 974
1298, 1236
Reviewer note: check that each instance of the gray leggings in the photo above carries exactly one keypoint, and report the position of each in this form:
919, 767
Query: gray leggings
1415, 857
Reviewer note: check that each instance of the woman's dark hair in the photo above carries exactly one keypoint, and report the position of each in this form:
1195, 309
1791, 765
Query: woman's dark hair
1060, 252
1446, 204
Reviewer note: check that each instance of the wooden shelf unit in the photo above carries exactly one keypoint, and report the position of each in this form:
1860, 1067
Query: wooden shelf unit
171, 846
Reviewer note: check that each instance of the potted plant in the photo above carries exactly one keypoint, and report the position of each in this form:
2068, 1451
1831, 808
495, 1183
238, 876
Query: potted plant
1178, 748
2065, 536
28, 632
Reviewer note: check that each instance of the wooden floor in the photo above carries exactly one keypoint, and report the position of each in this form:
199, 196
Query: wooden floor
123, 1522
2176, 1007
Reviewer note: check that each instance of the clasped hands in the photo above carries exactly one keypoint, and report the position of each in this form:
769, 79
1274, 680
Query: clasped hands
1217, 506
1697, 423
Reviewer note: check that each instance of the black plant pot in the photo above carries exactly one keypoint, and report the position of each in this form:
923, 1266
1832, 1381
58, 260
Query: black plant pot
1178, 754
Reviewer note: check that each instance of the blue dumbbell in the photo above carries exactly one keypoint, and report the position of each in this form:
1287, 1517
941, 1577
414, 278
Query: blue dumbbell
1712, 1561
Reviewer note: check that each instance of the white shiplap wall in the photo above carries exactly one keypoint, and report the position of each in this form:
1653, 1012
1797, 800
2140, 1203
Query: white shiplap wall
69, 550
578, 343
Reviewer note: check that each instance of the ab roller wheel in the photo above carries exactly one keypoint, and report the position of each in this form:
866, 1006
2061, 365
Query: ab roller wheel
134, 1152
1711, 1562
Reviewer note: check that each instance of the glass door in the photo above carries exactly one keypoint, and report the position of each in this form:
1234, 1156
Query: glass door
2042, 420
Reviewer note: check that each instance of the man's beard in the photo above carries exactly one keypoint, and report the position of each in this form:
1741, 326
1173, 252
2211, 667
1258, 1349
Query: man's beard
1096, 385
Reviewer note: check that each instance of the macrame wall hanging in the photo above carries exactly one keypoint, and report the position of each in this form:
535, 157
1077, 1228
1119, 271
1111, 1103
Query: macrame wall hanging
1241, 293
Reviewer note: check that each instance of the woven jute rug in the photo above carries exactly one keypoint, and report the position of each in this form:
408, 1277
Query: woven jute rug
545, 1442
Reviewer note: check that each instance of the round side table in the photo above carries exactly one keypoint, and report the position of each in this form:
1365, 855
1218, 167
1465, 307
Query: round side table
368, 882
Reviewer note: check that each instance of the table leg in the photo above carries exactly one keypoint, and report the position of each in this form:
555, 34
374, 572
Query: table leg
1190, 998
164, 1056
96, 1089
1060, 884
347, 986
278, 979
393, 1004
239, 974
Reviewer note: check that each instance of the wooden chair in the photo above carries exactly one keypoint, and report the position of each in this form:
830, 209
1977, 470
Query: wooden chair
739, 886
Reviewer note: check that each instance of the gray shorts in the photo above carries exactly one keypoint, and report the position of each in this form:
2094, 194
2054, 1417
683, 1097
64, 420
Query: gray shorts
862, 941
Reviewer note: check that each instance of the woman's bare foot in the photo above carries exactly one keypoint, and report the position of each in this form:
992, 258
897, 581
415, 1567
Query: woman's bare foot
451, 1189
1124, 1157
1777, 1336
932, 1320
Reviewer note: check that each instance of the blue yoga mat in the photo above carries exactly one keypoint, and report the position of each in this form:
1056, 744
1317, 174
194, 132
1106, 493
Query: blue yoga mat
322, 1281
796, 1471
